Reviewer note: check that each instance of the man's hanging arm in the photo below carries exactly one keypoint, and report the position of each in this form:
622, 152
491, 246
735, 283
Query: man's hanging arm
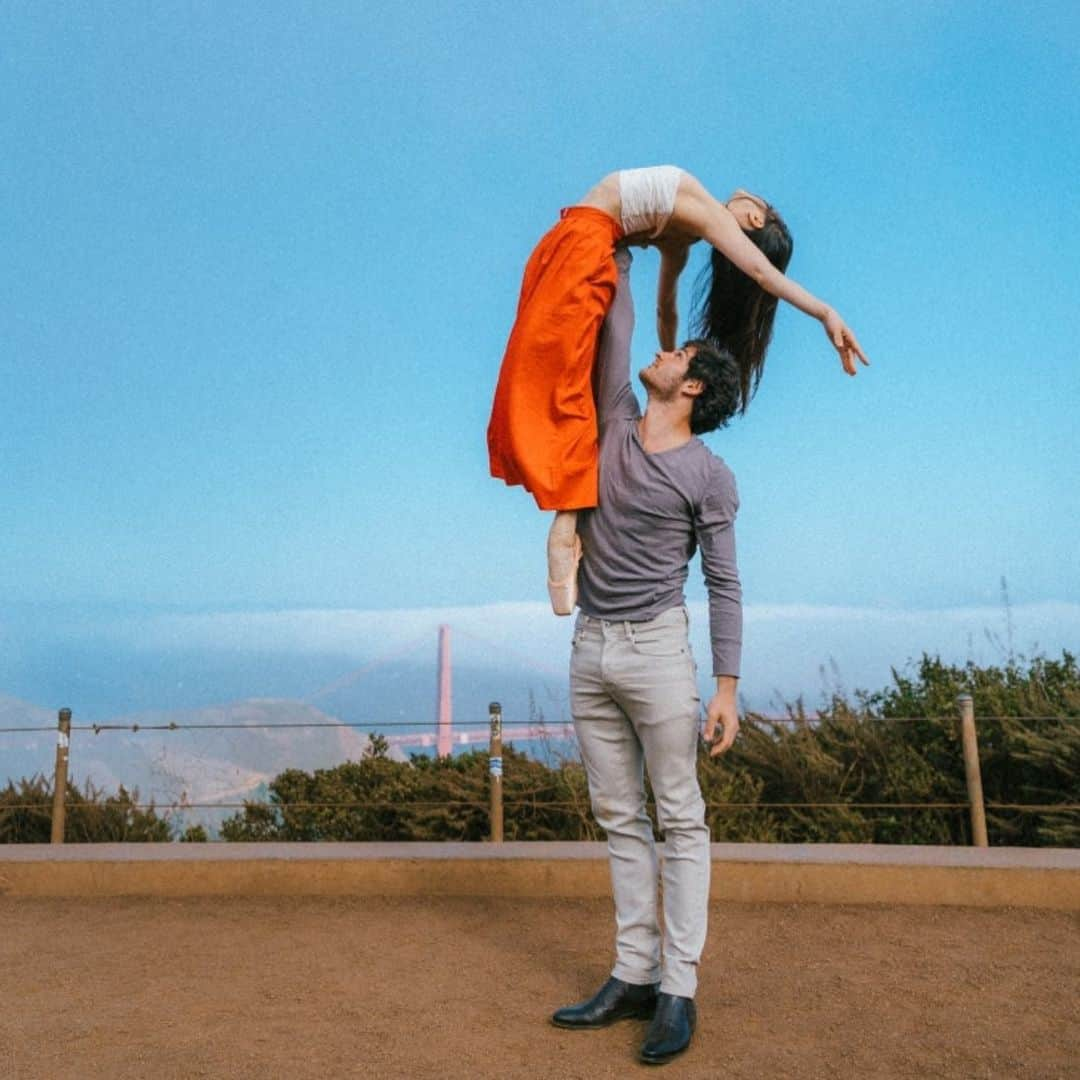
715, 528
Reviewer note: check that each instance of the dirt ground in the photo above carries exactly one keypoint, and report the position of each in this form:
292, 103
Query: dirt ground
419, 988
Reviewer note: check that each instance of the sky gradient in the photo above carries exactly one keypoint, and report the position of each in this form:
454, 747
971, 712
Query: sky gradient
261, 262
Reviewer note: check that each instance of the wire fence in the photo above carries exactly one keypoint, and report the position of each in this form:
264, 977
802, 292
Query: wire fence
384, 724
397, 804
56, 803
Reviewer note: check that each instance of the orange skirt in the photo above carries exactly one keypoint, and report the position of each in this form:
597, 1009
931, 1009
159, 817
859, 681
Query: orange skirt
543, 432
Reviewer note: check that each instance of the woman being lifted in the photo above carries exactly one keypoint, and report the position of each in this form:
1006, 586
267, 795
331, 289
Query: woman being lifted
543, 429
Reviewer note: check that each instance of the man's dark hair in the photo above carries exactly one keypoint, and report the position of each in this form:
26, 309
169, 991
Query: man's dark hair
718, 371
735, 311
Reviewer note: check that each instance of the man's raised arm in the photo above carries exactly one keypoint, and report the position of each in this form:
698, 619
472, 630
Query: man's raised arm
614, 396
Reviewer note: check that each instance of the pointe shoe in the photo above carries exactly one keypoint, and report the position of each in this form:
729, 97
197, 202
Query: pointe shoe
563, 594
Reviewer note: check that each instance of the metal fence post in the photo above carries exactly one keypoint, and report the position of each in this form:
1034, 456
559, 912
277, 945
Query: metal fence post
63, 738
971, 770
495, 716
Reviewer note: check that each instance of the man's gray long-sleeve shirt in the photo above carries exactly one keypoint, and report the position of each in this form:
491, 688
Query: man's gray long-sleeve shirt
655, 509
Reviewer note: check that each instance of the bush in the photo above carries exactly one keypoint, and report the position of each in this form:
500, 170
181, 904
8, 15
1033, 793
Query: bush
899, 747
423, 799
90, 816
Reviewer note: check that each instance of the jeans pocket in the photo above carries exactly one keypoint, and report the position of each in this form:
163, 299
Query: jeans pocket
661, 641
659, 648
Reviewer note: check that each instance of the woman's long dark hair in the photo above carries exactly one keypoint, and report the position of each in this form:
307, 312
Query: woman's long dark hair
734, 312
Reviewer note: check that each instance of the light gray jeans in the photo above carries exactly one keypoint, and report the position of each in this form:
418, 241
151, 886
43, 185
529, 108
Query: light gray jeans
635, 702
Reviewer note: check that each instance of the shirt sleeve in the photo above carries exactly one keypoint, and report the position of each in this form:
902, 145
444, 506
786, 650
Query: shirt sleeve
615, 398
714, 526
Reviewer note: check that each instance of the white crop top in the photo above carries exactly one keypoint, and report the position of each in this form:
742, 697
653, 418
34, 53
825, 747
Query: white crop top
648, 198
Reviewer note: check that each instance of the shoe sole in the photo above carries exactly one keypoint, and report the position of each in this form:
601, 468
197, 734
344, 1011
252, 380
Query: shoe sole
665, 1058
661, 1060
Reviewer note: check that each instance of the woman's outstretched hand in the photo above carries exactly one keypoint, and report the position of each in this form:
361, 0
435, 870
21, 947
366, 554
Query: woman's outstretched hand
844, 340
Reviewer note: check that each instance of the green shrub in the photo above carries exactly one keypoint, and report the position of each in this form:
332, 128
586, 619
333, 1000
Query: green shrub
894, 747
90, 816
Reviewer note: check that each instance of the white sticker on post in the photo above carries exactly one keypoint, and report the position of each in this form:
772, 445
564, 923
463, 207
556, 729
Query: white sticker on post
62, 740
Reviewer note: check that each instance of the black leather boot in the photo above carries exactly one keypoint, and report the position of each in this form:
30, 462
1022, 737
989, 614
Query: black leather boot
671, 1028
615, 1000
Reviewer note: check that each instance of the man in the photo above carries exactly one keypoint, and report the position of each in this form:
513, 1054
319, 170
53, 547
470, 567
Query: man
633, 682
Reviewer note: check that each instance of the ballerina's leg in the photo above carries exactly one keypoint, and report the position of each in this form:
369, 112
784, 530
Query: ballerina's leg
545, 376
563, 553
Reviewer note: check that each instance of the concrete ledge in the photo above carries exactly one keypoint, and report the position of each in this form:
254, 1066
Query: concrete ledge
784, 873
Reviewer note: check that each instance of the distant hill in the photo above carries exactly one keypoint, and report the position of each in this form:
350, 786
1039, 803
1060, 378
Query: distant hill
191, 764
23, 754
212, 765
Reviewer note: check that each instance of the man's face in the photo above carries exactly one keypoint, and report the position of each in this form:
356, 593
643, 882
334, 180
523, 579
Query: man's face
664, 377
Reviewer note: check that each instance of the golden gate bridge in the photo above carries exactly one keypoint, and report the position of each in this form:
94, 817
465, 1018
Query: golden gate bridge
443, 736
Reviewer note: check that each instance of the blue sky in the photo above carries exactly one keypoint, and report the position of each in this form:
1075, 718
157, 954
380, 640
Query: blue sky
261, 261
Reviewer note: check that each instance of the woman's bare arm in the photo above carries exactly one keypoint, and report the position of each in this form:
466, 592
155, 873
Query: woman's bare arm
673, 258
710, 219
